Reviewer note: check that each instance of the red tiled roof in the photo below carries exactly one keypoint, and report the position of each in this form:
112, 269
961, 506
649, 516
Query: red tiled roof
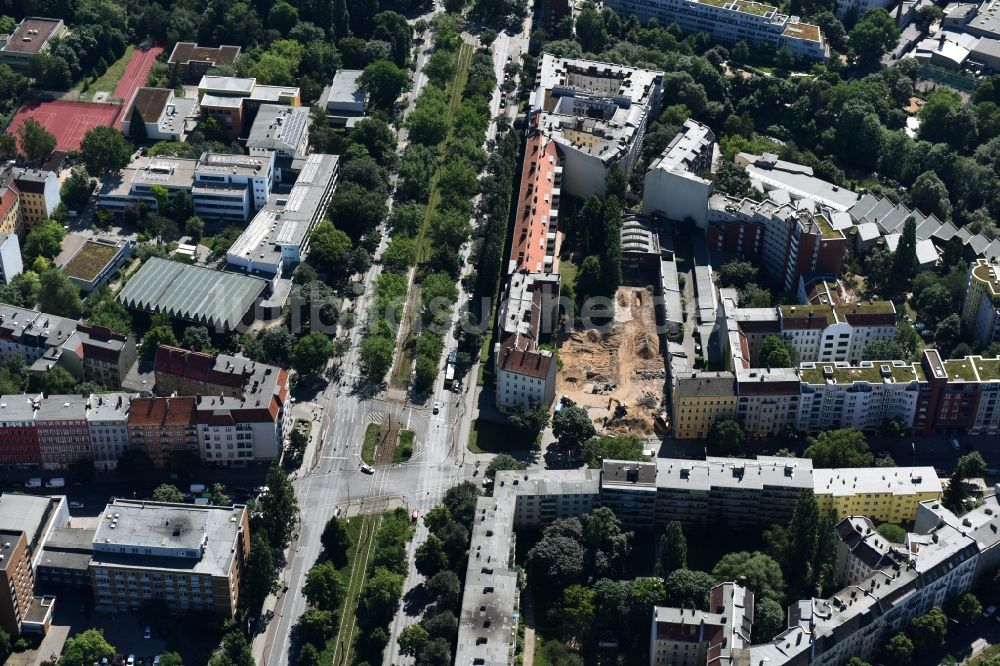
531, 222
523, 362
196, 366
7, 200
161, 411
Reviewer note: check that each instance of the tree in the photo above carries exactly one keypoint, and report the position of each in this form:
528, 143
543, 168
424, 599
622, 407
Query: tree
884, 350
315, 625
776, 353
688, 587
623, 447
58, 296
572, 427
555, 562
930, 195
279, 508
384, 82
968, 609
430, 557
104, 150
845, 447
219, 496
412, 640
379, 597
904, 259
947, 333
576, 612
171, 659
590, 30
37, 143
898, 651
444, 588
673, 550
57, 381
969, 466
892, 533
437, 651
44, 240
929, 630
8, 146
755, 296
501, 462
460, 501
76, 189
261, 573
166, 492
376, 355
308, 655
324, 588
763, 574
86, 648
196, 338
311, 354
768, 620
276, 344
531, 421
195, 227
235, 651
156, 336
873, 35
329, 246
336, 540
400, 254
737, 273
607, 544
727, 436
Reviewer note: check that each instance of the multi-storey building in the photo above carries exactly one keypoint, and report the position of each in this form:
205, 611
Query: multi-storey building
885, 494
10, 257
107, 419
861, 550
26, 522
733, 21
838, 332
19, 446
195, 61
232, 187
234, 102
700, 399
596, 113
675, 186
283, 130
767, 399
345, 99
132, 187
32, 36
189, 557
164, 117
278, 236
691, 637
790, 242
63, 432
98, 354
38, 192
981, 310
863, 396
11, 221
163, 427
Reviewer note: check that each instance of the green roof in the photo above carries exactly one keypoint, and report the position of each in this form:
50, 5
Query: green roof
988, 368
754, 8
803, 311
865, 307
192, 293
849, 375
825, 229
960, 370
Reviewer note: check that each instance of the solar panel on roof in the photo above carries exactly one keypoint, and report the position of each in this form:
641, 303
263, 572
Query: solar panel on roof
285, 232
295, 198
310, 169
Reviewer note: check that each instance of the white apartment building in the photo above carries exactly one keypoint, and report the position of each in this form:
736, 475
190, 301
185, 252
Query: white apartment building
107, 418
833, 333
596, 113
863, 396
981, 310
10, 258
674, 187
732, 21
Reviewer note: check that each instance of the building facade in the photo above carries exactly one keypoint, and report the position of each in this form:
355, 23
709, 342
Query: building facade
674, 184
38, 192
981, 310
10, 257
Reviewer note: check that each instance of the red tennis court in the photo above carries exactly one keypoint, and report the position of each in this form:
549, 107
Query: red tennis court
68, 121
136, 72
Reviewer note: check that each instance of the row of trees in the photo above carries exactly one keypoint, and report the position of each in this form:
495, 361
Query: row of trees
324, 589
442, 561
596, 234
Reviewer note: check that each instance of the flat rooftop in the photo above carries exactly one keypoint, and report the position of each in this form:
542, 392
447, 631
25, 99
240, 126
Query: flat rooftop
873, 372
150, 103
201, 538
185, 52
232, 164
278, 127
25, 513
32, 34
346, 88
192, 293
227, 85
90, 260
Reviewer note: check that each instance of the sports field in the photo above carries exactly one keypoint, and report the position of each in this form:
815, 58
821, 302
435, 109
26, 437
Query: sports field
136, 72
68, 121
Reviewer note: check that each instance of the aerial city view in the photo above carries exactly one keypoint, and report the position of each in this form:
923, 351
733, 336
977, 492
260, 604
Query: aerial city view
500, 332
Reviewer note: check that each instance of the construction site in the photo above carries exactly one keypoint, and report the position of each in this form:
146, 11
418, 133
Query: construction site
618, 375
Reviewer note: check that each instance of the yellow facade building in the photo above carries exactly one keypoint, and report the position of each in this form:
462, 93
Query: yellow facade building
10, 212
700, 400
883, 494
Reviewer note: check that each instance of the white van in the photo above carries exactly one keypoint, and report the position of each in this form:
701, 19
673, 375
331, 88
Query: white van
58, 482
197, 488
201, 501
33, 482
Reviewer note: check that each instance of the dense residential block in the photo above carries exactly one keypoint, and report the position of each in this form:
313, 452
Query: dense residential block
733, 21
189, 557
675, 186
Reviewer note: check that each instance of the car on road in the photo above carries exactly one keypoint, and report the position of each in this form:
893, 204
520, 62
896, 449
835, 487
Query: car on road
437, 407
989, 611
261, 490
76, 505
148, 633
130, 661
367, 469
955, 445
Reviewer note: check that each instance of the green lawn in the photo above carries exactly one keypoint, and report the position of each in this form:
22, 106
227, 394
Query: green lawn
404, 447
108, 81
492, 437
372, 434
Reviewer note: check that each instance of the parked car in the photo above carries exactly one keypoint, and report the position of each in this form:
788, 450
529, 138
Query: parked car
367, 469
130, 661
33, 482
989, 611
148, 633
955, 445
437, 407
57, 482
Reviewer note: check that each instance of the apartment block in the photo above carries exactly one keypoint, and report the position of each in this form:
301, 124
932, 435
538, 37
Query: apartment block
10, 257
863, 396
19, 446
26, 523
38, 191
675, 186
861, 550
888, 495
691, 637
733, 21
163, 427
107, 420
63, 431
981, 310
838, 332
189, 557
11, 221
699, 400
790, 242
596, 113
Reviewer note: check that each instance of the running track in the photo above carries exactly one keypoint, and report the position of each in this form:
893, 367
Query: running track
136, 72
